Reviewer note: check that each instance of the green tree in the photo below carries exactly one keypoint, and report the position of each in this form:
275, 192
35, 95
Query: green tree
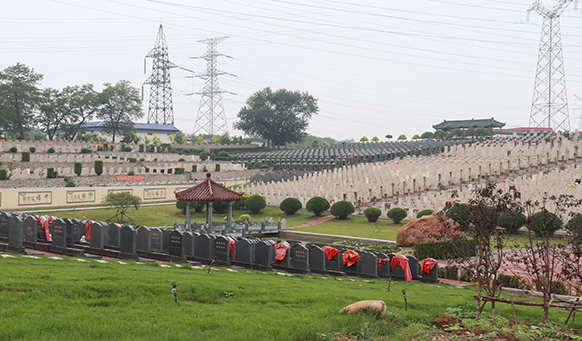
402, 137
416, 137
375, 139
122, 202
388, 136
177, 138
456, 133
439, 134
120, 106
426, 135
364, 139
19, 97
280, 116
481, 131
317, 205
52, 111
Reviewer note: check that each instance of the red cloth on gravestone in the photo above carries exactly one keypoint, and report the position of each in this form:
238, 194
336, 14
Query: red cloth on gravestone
403, 261
231, 247
120, 226
330, 251
272, 241
88, 236
350, 257
381, 261
281, 251
45, 223
427, 265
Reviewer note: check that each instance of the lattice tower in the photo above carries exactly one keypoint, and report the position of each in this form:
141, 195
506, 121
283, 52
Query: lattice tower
161, 109
550, 104
211, 118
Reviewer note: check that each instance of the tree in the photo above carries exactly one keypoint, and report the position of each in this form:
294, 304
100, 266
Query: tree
177, 138
388, 136
439, 134
290, 206
280, 117
426, 135
402, 137
120, 106
375, 139
416, 137
51, 111
364, 139
121, 201
19, 96
317, 205
82, 104
342, 209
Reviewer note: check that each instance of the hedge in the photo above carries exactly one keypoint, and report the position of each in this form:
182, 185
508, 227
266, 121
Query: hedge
50, 173
445, 249
98, 167
78, 168
4, 174
25, 156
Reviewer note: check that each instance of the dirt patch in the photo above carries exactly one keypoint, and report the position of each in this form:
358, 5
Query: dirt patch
444, 321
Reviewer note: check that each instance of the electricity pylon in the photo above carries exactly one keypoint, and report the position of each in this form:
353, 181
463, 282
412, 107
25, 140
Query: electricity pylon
549, 106
211, 118
160, 108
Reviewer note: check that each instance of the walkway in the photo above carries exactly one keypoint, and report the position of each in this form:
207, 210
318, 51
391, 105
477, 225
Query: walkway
313, 222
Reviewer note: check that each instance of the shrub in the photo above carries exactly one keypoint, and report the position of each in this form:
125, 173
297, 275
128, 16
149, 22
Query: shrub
141, 159
511, 221
194, 167
25, 156
372, 214
78, 168
70, 184
132, 159
4, 175
342, 209
397, 214
50, 173
32, 149
86, 150
169, 171
459, 213
575, 224
445, 249
510, 281
128, 149
50, 150
244, 217
290, 206
317, 205
107, 156
13, 150
131, 173
449, 272
98, 167
255, 203
217, 167
141, 148
219, 207
204, 169
114, 157
424, 212
204, 155
181, 159
544, 223
179, 170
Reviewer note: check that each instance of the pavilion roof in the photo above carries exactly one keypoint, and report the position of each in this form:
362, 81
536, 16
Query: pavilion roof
208, 190
485, 123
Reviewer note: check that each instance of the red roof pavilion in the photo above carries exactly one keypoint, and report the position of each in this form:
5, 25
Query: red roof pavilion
208, 190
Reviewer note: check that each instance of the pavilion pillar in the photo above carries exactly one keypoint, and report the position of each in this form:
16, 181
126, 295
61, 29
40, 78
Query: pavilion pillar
209, 214
229, 214
188, 215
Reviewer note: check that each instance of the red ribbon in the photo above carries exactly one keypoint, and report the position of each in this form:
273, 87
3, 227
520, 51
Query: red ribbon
89, 223
231, 247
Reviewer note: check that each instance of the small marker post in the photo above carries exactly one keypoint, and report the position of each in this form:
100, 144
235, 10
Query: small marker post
210, 266
405, 302
175, 292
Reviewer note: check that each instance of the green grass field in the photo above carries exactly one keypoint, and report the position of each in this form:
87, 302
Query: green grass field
47, 299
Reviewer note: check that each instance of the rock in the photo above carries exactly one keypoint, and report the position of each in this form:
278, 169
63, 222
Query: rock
413, 232
370, 305
445, 320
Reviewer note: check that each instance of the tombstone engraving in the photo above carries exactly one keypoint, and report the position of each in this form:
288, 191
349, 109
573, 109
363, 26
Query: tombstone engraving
128, 240
221, 250
317, 259
368, 264
264, 255
112, 236
79, 230
300, 258
144, 239
59, 233
244, 251
30, 229
4, 218
15, 234
176, 244
157, 239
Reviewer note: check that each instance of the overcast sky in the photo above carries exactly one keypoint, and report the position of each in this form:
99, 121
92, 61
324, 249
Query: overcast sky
376, 67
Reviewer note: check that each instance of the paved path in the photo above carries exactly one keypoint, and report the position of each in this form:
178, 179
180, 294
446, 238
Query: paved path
313, 222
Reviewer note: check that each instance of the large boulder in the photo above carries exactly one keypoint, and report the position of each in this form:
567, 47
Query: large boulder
362, 306
414, 231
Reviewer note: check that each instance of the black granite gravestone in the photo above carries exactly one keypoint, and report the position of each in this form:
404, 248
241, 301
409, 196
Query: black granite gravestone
112, 238
79, 230
368, 264
157, 239
30, 227
221, 250
398, 272
264, 255
98, 233
244, 251
413, 264
176, 244
286, 262
384, 269
69, 228
317, 259
128, 240
354, 269
59, 233
15, 234
144, 239
41, 236
188, 244
432, 276
204, 247
166, 241
334, 264
4, 218
300, 258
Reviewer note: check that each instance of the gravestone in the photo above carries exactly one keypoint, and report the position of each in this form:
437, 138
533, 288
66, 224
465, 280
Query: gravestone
203, 247
144, 239
317, 259
385, 270
166, 241
128, 240
284, 263
353, 270
244, 251
398, 272
221, 250
335, 264
299, 258
71, 237
188, 244
79, 230
4, 218
112, 238
432, 276
264, 255
157, 239
15, 234
41, 233
30, 227
59, 233
368, 264
413, 264
176, 244
98, 232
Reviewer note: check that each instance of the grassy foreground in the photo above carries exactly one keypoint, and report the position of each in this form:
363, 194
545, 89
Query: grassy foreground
68, 299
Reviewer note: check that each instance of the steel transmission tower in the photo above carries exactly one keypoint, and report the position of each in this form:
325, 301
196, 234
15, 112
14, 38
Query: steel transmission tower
549, 106
160, 109
211, 118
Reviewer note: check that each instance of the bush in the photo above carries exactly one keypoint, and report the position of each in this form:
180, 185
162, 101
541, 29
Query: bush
25, 156
98, 167
86, 150
204, 155
511, 221
114, 157
194, 167
219, 207
50, 150
255, 203
342, 209
317, 205
141, 159
32, 149
372, 214
141, 148
545, 223
204, 169
50, 173
449, 272
508, 281
244, 217
128, 149
397, 214
179, 170
575, 224
132, 159
217, 167
131, 173
424, 212
4, 175
13, 150
169, 171
78, 168
459, 213
290, 206
70, 184
445, 249
181, 159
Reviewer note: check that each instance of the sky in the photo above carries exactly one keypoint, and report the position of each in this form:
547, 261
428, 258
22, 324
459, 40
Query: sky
376, 67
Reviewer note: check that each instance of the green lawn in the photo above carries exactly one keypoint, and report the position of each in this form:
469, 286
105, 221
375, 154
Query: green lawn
356, 227
47, 299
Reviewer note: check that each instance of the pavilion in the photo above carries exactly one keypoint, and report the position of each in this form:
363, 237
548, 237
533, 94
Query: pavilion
466, 124
208, 191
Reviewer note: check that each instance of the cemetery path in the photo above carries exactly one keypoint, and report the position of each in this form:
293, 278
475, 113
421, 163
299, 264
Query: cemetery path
313, 222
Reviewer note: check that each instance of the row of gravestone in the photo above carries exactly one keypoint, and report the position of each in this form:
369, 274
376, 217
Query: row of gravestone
67, 234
